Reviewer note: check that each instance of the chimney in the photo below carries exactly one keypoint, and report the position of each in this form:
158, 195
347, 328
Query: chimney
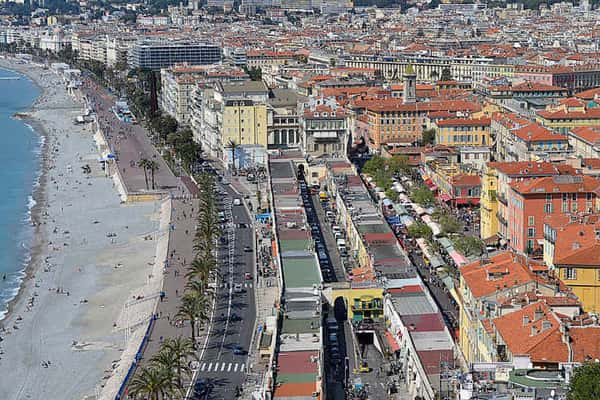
566, 339
534, 330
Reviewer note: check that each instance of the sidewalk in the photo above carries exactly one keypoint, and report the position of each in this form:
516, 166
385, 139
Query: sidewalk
180, 254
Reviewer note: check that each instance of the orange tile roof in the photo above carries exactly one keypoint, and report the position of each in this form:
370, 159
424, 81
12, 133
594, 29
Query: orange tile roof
587, 133
478, 277
591, 113
530, 168
529, 338
536, 133
466, 180
585, 256
577, 184
585, 343
588, 94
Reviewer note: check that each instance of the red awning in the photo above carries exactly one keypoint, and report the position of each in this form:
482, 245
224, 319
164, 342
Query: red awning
472, 200
445, 197
391, 341
428, 182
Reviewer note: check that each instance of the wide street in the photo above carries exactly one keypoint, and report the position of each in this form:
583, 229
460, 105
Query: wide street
222, 365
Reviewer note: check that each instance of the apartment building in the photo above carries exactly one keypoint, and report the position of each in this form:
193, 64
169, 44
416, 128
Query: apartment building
495, 186
267, 58
324, 127
585, 141
157, 54
392, 120
518, 139
530, 201
460, 132
570, 113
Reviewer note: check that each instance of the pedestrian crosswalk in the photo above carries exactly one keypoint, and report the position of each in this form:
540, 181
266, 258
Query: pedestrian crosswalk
224, 367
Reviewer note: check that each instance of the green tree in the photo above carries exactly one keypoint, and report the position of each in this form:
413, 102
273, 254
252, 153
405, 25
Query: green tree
420, 230
201, 268
448, 222
151, 383
233, 146
181, 351
428, 136
254, 73
144, 163
391, 194
193, 308
469, 246
373, 165
397, 164
585, 383
422, 195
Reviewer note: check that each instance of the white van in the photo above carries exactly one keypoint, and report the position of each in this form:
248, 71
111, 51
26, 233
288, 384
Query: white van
341, 244
237, 202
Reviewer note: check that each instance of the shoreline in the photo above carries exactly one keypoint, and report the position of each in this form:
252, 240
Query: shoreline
89, 254
38, 193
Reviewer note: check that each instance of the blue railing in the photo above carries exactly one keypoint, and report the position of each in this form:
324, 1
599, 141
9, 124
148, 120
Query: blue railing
138, 356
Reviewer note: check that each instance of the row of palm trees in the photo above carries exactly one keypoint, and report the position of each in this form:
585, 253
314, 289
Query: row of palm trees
165, 376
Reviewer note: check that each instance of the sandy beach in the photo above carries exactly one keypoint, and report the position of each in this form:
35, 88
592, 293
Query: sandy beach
64, 334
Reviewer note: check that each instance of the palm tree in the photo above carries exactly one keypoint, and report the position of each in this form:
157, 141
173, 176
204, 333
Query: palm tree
183, 351
193, 308
153, 167
151, 383
143, 163
201, 268
232, 145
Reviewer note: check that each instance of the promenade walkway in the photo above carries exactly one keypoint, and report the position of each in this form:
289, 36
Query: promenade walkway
180, 254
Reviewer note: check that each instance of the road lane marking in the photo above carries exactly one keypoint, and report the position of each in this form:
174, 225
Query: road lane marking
229, 367
223, 367
242, 368
236, 367
209, 367
203, 367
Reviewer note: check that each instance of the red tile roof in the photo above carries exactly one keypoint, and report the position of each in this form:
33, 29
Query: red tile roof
528, 337
531, 168
555, 184
587, 133
537, 133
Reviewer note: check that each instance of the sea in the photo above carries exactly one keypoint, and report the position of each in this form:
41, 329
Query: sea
20, 162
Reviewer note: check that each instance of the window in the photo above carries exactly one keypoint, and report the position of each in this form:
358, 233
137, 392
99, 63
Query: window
530, 232
571, 273
574, 206
531, 220
548, 208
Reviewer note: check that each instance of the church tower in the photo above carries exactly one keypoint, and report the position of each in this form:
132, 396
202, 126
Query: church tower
410, 85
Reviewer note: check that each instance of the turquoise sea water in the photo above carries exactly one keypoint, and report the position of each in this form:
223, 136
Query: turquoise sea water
20, 150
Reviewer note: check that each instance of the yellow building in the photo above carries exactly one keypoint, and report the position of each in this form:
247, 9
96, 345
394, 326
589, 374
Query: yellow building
463, 132
489, 203
570, 113
245, 122
361, 303
576, 261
